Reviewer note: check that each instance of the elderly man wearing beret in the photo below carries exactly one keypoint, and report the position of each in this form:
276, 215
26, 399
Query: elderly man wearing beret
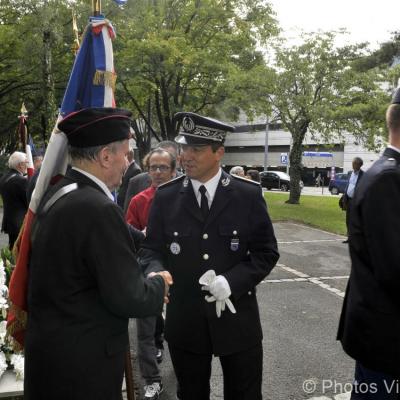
212, 231
84, 281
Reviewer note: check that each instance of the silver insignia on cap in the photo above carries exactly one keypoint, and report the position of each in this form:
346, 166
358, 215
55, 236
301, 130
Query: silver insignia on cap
188, 124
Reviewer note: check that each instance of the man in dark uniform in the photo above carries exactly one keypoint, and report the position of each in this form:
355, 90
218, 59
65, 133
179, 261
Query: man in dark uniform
13, 191
370, 321
84, 281
209, 222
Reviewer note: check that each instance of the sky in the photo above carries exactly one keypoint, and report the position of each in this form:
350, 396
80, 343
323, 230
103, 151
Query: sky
366, 20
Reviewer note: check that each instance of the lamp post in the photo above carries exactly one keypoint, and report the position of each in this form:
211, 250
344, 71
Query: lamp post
266, 144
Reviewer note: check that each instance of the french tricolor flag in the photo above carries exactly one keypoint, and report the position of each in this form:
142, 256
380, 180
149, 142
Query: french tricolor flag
91, 84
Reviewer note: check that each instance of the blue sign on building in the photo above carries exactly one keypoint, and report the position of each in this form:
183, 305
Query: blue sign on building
284, 158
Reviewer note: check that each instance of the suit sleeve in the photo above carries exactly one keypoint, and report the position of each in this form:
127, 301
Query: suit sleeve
124, 289
152, 256
263, 251
381, 220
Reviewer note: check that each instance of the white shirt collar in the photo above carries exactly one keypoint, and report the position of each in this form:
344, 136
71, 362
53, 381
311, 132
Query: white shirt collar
394, 148
211, 186
97, 181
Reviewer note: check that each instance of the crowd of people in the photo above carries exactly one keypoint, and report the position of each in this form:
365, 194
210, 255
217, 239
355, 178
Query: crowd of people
199, 243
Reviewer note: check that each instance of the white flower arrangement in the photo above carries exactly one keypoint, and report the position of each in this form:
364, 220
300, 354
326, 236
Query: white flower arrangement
7, 356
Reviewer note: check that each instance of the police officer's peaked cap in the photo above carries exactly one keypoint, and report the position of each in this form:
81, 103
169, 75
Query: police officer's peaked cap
96, 126
396, 96
198, 130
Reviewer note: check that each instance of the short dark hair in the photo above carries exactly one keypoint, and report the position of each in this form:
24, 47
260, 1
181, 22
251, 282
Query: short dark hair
358, 160
393, 117
158, 150
215, 146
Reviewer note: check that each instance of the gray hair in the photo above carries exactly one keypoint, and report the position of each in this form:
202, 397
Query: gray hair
16, 158
91, 153
236, 170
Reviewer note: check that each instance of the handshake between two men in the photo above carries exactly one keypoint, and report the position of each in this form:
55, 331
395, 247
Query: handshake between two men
168, 281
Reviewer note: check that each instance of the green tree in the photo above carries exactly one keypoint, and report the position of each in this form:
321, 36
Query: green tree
186, 54
35, 61
315, 90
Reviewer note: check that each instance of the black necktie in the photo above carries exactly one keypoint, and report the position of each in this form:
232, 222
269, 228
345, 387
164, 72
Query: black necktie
204, 202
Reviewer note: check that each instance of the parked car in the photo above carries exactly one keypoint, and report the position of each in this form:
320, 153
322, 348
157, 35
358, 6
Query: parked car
339, 184
276, 180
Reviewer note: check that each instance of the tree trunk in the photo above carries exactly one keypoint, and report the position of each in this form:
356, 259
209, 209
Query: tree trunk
48, 87
295, 157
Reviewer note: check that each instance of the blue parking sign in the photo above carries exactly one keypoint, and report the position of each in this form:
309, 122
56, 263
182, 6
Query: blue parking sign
284, 158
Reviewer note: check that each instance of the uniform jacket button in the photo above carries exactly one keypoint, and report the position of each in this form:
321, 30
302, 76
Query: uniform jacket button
205, 236
206, 256
249, 293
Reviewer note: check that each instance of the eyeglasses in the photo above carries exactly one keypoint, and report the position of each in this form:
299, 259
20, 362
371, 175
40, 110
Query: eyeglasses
162, 168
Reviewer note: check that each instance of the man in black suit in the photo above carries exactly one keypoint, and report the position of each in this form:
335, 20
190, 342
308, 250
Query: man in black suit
131, 171
209, 222
84, 280
370, 320
13, 191
354, 179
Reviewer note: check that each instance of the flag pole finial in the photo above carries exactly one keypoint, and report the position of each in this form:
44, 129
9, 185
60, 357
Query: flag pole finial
24, 111
96, 8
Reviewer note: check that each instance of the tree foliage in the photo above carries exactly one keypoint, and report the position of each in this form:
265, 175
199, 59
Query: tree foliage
189, 55
35, 61
316, 90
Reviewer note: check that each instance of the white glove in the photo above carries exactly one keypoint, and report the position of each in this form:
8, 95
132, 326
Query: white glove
219, 287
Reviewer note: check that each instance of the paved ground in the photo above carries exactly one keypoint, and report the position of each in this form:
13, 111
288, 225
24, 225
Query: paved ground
300, 303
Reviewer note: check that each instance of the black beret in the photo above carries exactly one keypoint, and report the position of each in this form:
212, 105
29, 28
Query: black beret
96, 126
396, 96
198, 130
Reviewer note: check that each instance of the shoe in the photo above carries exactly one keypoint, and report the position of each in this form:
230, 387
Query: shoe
346, 241
153, 391
159, 355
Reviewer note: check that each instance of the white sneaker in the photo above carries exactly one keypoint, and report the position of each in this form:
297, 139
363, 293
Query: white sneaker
153, 391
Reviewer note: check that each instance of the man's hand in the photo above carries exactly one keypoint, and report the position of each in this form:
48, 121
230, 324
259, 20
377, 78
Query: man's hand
168, 281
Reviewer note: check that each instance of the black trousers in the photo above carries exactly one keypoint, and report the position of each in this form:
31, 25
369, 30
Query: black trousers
348, 211
242, 374
374, 385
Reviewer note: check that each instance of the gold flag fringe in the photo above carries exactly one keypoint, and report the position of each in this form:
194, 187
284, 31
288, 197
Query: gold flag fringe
18, 324
105, 78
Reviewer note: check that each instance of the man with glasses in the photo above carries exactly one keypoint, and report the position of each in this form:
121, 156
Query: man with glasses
213, 233
161, 168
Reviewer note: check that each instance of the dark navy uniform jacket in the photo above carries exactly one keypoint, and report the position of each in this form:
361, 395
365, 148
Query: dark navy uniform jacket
370, 321
237, 240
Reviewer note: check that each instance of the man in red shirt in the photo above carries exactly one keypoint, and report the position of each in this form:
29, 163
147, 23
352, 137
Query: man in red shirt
161, 166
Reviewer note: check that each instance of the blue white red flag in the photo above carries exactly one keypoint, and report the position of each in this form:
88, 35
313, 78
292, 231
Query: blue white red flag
91, 84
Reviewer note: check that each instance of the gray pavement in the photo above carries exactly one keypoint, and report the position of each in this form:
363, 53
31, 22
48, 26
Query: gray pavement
300, 303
